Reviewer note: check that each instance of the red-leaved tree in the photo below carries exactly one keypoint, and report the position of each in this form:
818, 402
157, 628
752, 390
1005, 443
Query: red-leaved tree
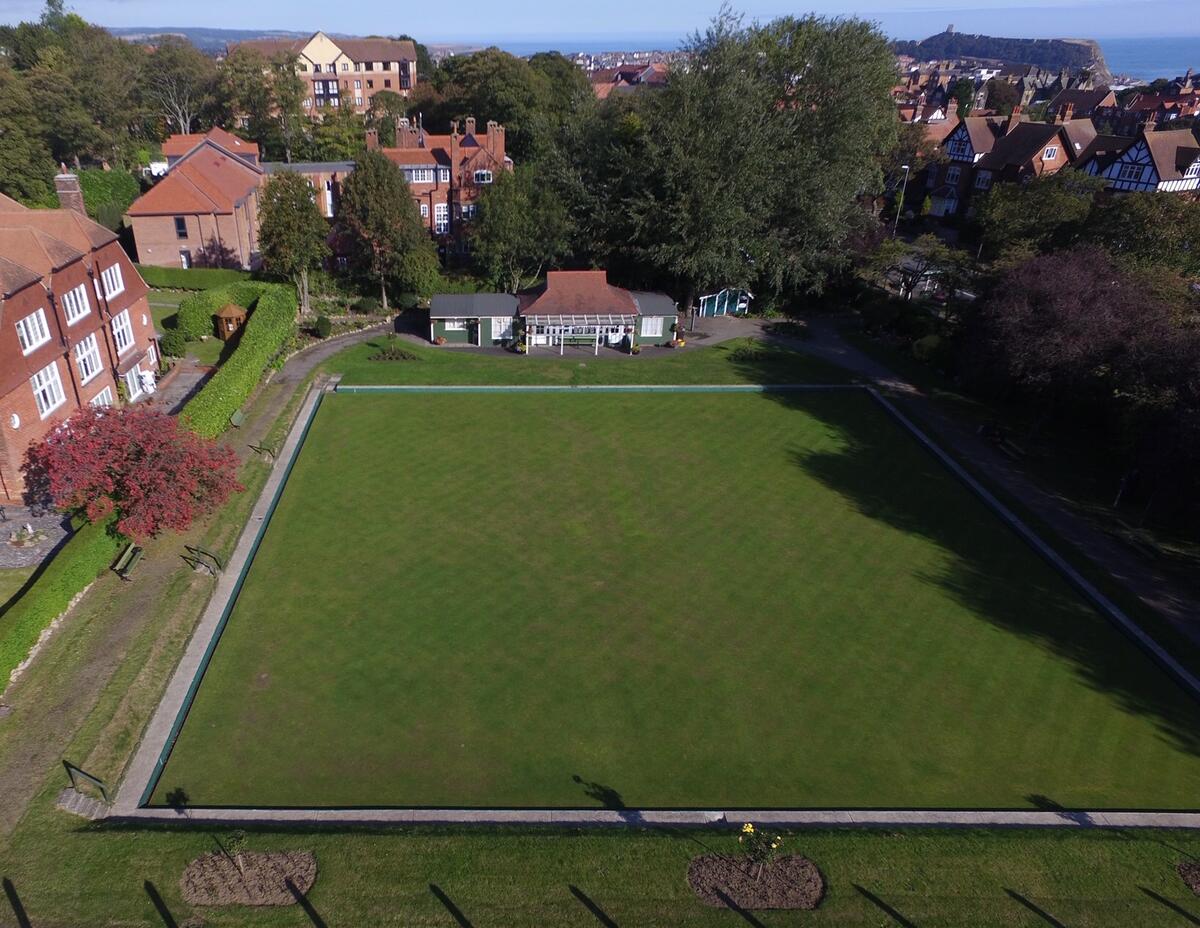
135, 462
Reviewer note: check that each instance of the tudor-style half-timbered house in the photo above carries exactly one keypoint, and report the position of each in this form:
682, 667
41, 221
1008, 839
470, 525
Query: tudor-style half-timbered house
950, 183
1167, 162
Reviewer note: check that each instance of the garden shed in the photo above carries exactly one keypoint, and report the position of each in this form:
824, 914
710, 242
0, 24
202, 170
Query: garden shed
472, 318
230, 318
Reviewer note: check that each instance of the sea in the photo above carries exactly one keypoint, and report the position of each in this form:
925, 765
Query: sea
1141, 58
1147, 59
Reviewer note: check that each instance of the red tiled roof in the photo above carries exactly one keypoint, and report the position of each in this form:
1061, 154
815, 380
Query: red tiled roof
76, 230
35, 250
14, 277
576, 293
9, 205
179, 145
376, 49
207, 180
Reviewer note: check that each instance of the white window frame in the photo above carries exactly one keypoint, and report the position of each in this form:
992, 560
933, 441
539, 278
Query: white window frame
444, 175
114, 281
652, 327
502, 328
420, 175
122, 329
329, 199
1050, 153
953, 173
151, 356
483, 176
983, 180
441, 218
424, 210
455, 325
76, 304
358, 83
133, 382
358, 101
469, 210
47, 389
103, 398
1131, 171
87, 359
960, 148
33, 331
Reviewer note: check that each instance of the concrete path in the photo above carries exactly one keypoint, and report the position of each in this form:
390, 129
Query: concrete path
864, 818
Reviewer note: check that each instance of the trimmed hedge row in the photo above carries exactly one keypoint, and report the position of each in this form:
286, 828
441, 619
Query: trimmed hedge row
268, 329
195, 316
81, 559
190, 278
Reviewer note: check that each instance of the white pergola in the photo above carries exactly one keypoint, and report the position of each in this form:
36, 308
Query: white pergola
549, 331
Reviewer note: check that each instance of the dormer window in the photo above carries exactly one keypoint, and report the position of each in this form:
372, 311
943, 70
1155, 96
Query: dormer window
483, 177
1193, 170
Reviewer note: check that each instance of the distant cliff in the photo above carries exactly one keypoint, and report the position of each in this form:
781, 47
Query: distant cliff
1052, 54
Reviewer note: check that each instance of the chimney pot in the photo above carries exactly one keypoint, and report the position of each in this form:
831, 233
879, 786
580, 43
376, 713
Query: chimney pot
470, 125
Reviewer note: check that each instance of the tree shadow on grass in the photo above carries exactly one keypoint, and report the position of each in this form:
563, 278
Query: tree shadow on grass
1174, 907
891, 913
15, 903
887, 476
1035, 909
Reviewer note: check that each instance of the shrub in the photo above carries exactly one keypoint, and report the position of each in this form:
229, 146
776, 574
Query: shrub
136, 463
324, 327
368, 305
195, 316
191, 278
264, 337
930, 349
173, 343
82, 558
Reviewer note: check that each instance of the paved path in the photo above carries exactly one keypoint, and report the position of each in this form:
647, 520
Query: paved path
51, 528
866, 818
1154, 588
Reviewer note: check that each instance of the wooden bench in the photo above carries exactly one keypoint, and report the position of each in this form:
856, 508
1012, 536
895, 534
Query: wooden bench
237, 419
128, 561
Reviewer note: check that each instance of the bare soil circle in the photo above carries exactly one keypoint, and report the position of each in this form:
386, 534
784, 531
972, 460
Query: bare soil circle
278, 878
791, 882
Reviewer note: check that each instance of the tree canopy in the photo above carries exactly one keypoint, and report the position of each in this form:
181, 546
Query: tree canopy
292, 232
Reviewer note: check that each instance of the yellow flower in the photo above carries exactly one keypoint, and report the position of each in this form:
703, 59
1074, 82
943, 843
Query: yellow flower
748, 829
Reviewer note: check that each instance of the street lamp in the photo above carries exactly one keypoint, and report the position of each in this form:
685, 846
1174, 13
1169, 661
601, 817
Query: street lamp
900, 204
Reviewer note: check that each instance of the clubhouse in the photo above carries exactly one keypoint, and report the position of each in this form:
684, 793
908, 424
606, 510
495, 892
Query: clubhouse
579, 308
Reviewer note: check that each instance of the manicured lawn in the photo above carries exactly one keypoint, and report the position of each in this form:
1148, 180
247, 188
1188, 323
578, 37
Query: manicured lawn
67, 874
738, 361
11, 581
679, 600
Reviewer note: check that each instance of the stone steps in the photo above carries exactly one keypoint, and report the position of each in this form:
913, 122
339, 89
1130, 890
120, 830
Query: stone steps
77, 803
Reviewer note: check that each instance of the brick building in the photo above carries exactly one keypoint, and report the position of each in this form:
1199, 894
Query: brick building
447, 173
204, 212
75, 325
345, 72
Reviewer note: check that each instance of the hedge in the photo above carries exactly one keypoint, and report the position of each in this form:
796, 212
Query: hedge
195, 316
268, 329
191, 278
81, 559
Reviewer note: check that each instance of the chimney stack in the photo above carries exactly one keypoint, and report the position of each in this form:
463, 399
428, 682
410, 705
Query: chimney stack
952, 108
70, 194
470, 125
372, 140
1014, 120
495, 140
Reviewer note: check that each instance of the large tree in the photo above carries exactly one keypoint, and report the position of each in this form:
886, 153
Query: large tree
26, 164
522, 229
292, 232
379, 216
1150, 230
757, 152
180, 83
1045, 213
135, 462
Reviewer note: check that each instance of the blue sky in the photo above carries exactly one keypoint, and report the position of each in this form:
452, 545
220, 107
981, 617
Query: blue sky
476, 20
